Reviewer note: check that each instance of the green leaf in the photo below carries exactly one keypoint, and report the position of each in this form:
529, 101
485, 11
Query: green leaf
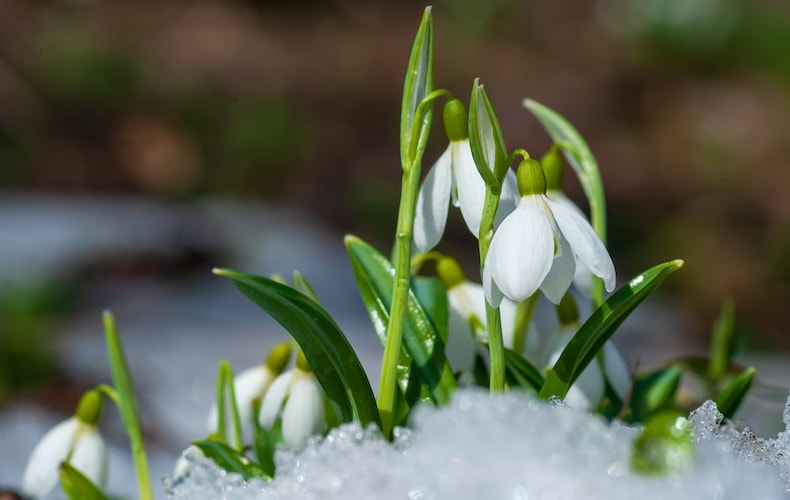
485, 137
334, 362
730, 398
654, 392
521, 372
418, 84
600, 326
422, 339
231, 460
127, 404
262, 444
723, 332
76, 486
300, 283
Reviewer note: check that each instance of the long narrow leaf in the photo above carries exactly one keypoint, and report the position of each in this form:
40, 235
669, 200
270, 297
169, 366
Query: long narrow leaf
522, 372
655, 391
421, 337
600, 326
232, 460
76, 486
485, 137
418, 84
333, 360
731, 397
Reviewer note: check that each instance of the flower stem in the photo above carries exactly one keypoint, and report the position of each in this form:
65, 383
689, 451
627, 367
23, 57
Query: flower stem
496, 346
402, 261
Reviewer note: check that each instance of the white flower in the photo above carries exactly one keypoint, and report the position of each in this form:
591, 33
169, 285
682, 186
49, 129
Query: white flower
582, 277
249, 385
297, 398
538, 244
454, 175
76, 439
467, 318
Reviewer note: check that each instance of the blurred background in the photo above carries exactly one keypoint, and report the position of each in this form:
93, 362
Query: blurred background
142, 143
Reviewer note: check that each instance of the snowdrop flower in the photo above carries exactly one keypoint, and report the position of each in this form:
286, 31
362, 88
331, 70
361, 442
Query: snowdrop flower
297, 399
251, 385
467, 315
588, 390
76, 440
455, 176
538, 244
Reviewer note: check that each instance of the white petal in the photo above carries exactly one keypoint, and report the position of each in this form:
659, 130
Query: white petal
90, 456
433, 202
559, 197
522, 250
585, 243
462, 341
471, 187
508, 198
273, 401
41, 473
616, 369
561, 274
582, 279
492, 292
303, 415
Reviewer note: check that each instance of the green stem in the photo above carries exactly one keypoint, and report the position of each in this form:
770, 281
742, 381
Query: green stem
130, 414
402, 261
496, 346
524, 312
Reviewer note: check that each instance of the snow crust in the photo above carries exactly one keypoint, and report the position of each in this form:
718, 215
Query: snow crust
505, 447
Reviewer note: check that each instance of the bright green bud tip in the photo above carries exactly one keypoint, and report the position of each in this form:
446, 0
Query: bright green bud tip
89, 408
449, 272
531, 179
567, 312
552, 168
664, 445
455, 123
279, 357
301, 362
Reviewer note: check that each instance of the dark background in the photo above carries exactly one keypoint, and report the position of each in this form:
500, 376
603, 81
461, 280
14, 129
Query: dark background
685, 103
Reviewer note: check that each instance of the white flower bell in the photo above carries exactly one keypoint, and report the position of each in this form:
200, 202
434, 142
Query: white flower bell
298, 399
538, 244
467, 315
76, 440
455, 176
250, 385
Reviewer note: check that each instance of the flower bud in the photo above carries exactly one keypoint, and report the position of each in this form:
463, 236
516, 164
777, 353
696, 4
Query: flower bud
553, 169
449, 272
279, 357
89, 407
567, 312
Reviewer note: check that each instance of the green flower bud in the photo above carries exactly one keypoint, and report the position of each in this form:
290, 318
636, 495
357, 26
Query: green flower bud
449, 272
279, 357
553, 169
664, 445
89, 408
567, 312
531, 179
301, 362
455, 123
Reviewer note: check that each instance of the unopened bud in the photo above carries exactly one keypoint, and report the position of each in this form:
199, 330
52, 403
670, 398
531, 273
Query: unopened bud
449, 272
455, 124
531, 179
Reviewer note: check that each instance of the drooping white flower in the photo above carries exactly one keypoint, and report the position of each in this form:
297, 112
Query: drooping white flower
250, 385
75, 439
467, 319
538, 244
454, 177
297, 399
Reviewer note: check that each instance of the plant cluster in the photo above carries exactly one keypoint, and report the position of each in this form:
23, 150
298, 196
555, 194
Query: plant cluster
439, 331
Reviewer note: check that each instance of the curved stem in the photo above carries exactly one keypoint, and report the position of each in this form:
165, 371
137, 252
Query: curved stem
493, 321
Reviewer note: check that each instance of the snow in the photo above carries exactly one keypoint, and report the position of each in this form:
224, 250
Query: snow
505, 446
